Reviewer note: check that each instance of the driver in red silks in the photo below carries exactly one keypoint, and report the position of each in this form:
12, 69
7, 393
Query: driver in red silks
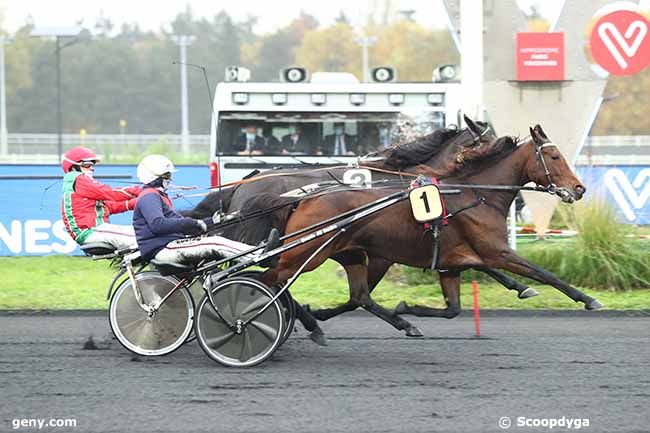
87, 203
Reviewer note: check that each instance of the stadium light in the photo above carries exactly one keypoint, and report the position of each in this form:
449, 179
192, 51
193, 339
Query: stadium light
58, 32
183, 41
4, 147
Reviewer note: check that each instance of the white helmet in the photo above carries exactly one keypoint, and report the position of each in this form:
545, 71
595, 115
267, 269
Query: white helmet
153, 166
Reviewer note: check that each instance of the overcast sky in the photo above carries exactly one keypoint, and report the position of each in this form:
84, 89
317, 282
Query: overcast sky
152, 15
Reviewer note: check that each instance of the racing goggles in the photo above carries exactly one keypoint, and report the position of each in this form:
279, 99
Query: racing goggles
87, 164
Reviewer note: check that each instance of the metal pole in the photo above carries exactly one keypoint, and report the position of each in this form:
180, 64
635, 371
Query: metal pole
4, 148
513, 225
183, 41
59, 119
366, 42
364, 58
185, 131
471, 57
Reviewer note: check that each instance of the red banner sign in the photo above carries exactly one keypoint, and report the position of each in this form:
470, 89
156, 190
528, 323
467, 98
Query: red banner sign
540, 56
620, 42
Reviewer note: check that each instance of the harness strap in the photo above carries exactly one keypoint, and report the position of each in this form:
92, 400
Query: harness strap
477, 202
164, 197
264, 176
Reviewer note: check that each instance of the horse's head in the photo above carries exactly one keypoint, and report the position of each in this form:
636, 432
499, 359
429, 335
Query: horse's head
477, 139
440, 154
469, 144
549, 168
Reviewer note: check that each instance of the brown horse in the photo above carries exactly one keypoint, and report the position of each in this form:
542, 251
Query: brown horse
438, 154
474, 238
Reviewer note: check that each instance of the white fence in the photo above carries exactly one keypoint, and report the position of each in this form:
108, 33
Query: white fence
37, 148
42, 148
616, 150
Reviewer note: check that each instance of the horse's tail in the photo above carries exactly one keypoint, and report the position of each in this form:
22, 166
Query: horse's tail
256, 229
212, 203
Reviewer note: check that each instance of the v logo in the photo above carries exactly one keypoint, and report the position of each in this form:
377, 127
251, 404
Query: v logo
607, 28
625, 193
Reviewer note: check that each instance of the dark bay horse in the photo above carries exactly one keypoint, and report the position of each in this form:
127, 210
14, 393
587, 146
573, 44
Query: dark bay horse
438, 154
475, 238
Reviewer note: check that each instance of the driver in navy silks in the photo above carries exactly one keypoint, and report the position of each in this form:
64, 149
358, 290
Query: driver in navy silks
161, 231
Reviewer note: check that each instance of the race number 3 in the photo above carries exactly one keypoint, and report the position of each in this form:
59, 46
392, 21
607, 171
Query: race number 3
358, 177
426, 203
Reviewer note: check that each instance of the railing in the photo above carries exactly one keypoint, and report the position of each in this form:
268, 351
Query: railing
42, 148
46, 143
616, 150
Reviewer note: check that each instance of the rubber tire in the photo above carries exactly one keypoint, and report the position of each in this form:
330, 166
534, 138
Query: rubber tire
123, 303
237, 295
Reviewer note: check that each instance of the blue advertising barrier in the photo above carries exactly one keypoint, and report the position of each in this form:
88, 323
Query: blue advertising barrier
30, 209
626, 188
30, 215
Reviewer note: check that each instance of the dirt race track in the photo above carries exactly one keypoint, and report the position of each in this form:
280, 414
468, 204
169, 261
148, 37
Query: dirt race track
369, 379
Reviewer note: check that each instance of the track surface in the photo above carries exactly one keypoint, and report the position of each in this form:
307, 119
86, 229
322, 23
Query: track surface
368, 379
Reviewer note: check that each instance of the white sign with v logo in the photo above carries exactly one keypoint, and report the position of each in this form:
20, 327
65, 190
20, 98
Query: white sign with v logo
623, 41
630, 197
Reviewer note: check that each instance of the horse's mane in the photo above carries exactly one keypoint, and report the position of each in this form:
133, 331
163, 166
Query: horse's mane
476, 159
415, 152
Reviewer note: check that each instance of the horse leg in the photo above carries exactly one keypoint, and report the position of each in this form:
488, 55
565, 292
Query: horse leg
316, 334
523, 291
346, 259
327, 313
359, 295
511, 261
376, 269
450, 282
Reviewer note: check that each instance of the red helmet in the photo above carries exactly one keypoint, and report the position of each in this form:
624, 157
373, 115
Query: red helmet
77, 155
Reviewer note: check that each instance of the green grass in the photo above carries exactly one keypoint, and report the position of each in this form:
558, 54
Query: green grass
62, 282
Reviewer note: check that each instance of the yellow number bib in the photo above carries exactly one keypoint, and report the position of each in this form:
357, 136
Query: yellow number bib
426, 203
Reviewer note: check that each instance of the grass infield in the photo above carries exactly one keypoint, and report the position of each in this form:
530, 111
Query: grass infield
63, 282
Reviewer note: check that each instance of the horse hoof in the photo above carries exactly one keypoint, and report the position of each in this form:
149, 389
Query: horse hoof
593, 305
528, 293
318, 337
413, 331
401, 308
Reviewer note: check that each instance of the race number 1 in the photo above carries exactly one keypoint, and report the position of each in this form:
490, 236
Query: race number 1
426, 203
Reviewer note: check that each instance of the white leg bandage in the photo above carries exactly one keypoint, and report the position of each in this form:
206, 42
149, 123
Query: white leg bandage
194, 249
119, 236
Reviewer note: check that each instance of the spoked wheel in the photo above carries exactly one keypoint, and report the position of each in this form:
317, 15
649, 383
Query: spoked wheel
285, 299
156, 333
233, 336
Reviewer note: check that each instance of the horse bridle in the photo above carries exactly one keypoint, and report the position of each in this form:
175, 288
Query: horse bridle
552, 188
460, 158
477, 137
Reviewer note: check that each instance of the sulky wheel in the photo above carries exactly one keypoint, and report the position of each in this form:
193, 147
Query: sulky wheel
234, 336
288, 304
158, 332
